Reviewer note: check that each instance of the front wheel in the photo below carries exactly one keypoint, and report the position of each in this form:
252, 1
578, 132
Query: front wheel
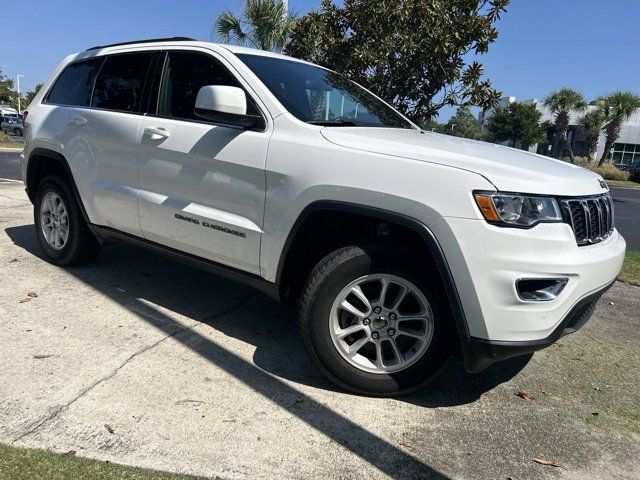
375, 322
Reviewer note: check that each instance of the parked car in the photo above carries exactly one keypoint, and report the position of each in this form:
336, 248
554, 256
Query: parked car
622, 166
12, 125
7, 110
634, 171
399, 244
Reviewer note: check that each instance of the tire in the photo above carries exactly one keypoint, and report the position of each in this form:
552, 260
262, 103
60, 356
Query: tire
321, 313
17, 132
79, 245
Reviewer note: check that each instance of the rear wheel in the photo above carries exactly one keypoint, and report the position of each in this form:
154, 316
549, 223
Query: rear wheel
60, 227
374, 322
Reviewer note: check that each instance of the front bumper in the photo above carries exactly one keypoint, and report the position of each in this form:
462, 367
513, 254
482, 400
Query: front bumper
486, 263
481, 353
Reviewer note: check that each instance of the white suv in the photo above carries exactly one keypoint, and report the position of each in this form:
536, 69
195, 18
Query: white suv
400, 244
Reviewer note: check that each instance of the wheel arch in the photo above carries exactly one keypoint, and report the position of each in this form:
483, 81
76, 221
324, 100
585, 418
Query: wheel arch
428, 241
43, 162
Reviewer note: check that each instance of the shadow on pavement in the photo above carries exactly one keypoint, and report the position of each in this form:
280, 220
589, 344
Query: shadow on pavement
128, 275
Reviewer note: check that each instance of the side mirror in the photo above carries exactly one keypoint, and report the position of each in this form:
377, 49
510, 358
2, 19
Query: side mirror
225, 104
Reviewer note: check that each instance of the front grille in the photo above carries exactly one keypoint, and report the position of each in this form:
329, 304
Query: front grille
591, 218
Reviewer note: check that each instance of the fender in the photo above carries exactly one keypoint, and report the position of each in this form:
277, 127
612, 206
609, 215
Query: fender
418, 227
60, 160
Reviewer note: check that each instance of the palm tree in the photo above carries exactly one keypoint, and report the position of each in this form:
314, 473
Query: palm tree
592, 122
617, 108
265, 24
561, 103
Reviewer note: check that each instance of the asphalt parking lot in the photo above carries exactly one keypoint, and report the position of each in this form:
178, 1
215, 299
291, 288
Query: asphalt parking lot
626, 202
10, 165
198, 375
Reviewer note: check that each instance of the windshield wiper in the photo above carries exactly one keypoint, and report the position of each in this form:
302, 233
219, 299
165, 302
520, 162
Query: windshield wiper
333, 123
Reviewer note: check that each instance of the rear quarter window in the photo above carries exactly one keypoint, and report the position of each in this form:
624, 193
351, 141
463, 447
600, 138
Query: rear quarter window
75, 83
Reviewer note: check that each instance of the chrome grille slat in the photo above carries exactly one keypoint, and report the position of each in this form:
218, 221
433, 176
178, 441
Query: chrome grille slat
590, 218
600, 221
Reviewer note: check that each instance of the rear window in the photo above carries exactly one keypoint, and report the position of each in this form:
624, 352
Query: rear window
75, 83
120, 83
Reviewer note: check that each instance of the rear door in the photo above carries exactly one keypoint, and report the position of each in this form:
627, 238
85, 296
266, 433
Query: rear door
202, 185
109, 133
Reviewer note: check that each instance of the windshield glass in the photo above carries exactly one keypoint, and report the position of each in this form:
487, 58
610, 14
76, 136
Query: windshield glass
321, 97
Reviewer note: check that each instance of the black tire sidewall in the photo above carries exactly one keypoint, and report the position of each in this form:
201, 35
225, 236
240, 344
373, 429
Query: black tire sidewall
355, 265
65, 255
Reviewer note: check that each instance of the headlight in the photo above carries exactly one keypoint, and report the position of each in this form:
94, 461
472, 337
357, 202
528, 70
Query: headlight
517, 210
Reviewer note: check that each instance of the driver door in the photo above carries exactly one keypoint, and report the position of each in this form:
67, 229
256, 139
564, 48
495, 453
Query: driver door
202, 184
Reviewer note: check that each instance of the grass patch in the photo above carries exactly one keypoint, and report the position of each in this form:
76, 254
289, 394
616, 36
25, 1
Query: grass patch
27, 464
631, 269
5, 142
623, 183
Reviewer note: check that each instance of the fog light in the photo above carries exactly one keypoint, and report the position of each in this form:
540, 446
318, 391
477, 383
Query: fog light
540, 289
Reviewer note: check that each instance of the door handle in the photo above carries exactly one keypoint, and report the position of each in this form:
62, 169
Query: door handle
156, 133
77, 121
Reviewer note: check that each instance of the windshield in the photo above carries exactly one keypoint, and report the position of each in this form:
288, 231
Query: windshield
321, 97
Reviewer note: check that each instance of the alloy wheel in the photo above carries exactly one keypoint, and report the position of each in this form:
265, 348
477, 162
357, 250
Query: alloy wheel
381, 323
54, 220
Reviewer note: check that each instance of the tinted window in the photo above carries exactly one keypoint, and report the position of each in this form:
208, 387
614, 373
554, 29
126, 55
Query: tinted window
322, 97
75, 83
185, 73
121, 80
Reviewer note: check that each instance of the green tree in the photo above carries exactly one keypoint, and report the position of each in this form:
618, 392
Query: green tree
518, 124
592, 122
431, 124
617, 108
7, 94
28, 98
462, 124
265, 24
412, 53
561, 103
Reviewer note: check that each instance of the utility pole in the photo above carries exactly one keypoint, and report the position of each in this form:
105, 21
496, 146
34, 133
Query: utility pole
18, 79
285, 4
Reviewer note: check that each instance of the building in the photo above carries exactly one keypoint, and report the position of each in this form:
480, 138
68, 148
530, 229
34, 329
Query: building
625, 150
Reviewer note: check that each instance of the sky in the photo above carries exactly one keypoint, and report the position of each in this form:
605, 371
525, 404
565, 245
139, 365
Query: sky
590, 45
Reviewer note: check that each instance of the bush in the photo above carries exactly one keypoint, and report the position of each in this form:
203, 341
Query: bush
4, 138
607, 171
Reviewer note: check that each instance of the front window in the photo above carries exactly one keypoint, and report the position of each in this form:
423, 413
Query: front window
185, 73
321, 97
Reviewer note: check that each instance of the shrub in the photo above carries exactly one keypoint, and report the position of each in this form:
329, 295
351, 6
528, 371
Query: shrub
607, 171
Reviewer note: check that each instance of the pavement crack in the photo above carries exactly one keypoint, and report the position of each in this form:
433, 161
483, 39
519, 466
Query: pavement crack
62, 408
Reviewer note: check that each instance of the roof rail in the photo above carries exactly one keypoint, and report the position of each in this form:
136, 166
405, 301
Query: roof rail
150, 40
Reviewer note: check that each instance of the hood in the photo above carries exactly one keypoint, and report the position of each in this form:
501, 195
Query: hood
509, 169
